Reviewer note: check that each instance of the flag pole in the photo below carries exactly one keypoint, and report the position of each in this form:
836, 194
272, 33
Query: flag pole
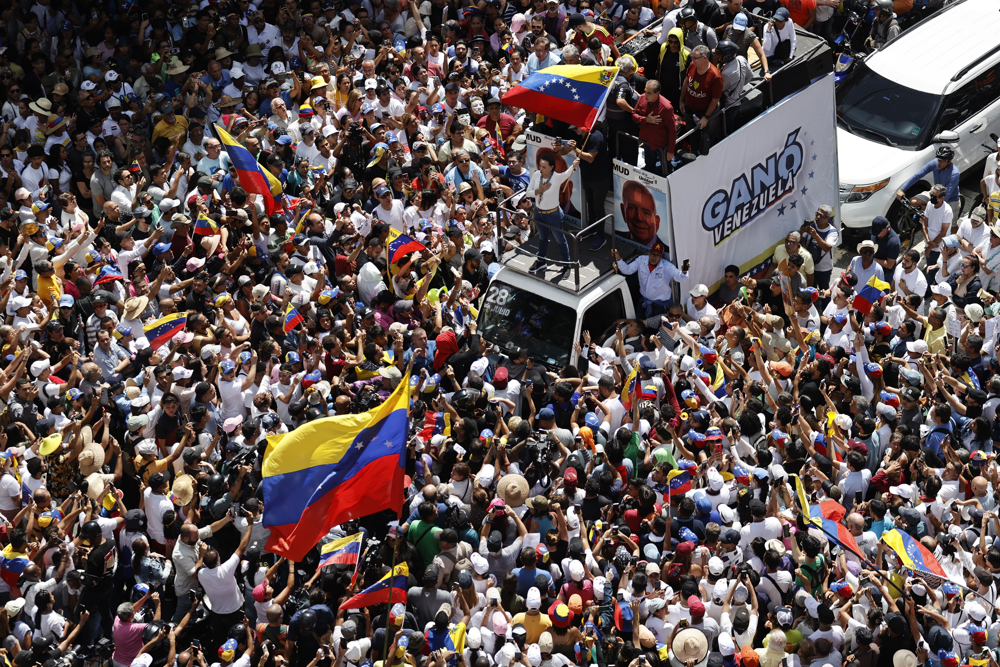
399, 515
392, 574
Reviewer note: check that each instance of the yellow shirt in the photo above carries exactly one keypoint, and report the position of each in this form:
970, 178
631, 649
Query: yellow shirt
808, 267
937, 340
534, 624
49, 291
171, 132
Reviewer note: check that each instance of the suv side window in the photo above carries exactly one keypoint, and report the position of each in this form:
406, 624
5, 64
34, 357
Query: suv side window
600, 315
971, 98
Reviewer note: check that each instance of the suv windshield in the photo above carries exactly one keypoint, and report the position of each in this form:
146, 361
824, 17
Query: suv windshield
513, 317
872, 106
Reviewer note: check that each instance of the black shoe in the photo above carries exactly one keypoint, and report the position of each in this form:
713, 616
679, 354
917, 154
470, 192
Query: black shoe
539, 265
563, 273
598, 243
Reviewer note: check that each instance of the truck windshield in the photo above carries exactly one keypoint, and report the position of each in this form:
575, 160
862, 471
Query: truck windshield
514, 317
871, 106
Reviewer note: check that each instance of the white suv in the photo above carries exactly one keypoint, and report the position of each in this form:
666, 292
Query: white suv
937, 83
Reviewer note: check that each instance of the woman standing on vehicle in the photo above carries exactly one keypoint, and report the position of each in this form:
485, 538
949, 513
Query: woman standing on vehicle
544, 189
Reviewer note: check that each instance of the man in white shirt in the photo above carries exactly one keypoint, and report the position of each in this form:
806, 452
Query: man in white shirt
908, 278
972, 230
125, 194
764, 526
33, 175
231, 389
156, 504
937, 221
989, 260
223, 593
389, 210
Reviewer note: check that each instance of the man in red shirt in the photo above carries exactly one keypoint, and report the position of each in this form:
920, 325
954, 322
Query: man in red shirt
583, 30
803, 12
495, 117
701, 89
657, 129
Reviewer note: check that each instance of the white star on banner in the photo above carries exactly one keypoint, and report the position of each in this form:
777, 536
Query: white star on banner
576, 97
388, 443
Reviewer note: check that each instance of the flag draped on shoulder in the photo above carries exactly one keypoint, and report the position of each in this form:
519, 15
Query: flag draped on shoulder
331, 470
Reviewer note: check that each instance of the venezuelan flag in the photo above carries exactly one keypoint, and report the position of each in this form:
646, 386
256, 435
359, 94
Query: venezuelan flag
574, 94
869, 294
12, 564
293, 318
679, 481
912, 554
253, 177
827, 516
742, 475
107, 274
205, 226
435, 423
332, 470
345, 551
165, 328
401, 245
378, 592
628, 391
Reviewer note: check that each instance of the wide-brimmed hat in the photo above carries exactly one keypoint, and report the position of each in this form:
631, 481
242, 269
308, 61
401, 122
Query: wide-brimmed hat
905, 658
56, 123
182, 492
134, 307
42, 106
92, 457
177, 67
689, 644
96, 488
513, 489
226, 101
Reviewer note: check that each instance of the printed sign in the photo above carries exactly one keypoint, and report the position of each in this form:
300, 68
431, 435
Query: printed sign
642, 206
762, 182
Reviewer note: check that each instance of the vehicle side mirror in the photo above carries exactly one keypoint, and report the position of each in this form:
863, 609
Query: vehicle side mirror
946, 137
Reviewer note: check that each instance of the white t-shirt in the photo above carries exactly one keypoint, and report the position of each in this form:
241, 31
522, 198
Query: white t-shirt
231, 394
393, 217
936, 219
10, 493
156, 505
221, 590
974, 235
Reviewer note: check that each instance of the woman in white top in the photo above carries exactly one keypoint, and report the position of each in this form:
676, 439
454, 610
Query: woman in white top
544, 189
233, 317
48, 623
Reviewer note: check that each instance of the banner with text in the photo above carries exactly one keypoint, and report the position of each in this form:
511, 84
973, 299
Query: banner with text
571, 196
642, 206
766, 180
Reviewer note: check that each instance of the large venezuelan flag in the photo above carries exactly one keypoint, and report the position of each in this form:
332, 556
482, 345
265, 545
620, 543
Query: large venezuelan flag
165, 328
253, 177
345, 551
12, 564
332, 470
574, 94
378, 592
913, 555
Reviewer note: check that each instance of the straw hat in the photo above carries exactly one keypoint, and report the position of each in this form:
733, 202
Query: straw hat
904, 658
226, 101
134, 307
42, 106
211, 243
92, 458
56, 123
689, 644
182, 492
96, 488
177, 67
513, 489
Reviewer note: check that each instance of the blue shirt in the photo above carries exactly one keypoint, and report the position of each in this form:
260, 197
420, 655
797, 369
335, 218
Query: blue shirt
936, 437
526, 578
949, 177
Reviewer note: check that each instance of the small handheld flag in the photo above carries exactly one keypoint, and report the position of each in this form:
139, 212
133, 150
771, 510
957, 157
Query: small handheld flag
400, 245
205, 226
378, 592
292, 319
869, 294
165, 328
345, 551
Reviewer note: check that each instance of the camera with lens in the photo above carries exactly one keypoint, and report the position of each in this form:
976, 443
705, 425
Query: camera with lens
540, 448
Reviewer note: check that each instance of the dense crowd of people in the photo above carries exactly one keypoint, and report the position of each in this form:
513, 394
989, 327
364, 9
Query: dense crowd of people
725, 481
